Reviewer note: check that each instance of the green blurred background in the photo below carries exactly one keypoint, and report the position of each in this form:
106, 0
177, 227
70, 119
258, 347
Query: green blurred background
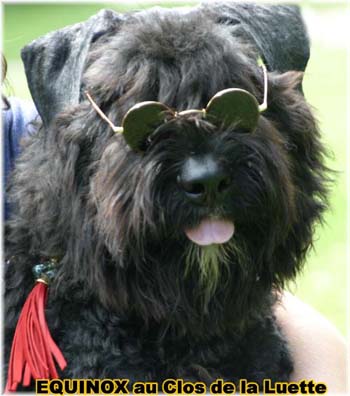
323, 283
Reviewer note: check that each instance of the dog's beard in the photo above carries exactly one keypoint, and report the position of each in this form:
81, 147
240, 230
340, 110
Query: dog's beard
213, 265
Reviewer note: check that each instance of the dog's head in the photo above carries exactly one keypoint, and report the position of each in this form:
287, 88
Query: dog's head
207, 216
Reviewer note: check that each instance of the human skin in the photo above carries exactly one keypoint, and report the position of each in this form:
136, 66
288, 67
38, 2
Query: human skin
318, 349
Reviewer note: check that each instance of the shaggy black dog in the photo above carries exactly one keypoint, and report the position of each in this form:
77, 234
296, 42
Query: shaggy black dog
170, 256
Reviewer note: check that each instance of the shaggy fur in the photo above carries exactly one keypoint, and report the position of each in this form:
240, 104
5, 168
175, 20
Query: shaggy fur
133, 297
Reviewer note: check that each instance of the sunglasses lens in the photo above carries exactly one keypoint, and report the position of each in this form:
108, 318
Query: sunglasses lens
234, 106
141, 121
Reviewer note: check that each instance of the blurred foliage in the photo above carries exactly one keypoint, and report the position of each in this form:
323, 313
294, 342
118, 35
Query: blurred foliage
25, 22
323, 283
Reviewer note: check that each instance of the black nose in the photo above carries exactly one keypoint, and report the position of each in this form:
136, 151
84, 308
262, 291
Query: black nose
203, 180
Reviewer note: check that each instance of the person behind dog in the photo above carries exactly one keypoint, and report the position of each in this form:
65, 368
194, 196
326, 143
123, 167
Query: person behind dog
17, 114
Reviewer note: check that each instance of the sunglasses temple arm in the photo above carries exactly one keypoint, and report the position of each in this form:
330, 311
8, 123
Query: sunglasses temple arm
263, 106
103, 115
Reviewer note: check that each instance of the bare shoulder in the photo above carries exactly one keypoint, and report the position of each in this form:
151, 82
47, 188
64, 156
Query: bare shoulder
318, 349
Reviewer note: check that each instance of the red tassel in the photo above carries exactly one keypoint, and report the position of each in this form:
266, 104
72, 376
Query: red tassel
33, 349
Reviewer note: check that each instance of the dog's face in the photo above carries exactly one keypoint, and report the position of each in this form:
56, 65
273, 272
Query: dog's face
209, 217
210, 200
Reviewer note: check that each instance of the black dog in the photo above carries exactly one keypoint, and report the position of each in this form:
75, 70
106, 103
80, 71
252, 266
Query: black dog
173, 241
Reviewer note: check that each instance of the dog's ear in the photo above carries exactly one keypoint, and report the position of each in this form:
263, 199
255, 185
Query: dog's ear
277, 31
54, 63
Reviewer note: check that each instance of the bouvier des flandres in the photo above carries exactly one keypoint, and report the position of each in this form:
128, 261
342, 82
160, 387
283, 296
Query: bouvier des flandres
174, 221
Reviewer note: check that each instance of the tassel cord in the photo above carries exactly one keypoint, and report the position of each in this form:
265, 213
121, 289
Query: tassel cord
34, 352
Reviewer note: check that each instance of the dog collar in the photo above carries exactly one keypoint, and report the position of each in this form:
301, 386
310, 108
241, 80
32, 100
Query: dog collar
229, 106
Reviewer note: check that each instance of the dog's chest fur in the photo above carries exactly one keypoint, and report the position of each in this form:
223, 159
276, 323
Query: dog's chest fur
98, 344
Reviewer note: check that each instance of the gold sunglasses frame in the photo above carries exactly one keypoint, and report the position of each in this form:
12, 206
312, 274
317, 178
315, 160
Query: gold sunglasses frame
232, 105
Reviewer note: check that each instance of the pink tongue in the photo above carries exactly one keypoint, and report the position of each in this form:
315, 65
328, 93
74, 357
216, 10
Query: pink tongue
211, 231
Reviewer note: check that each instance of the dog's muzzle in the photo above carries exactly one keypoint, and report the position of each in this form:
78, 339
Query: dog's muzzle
204, 182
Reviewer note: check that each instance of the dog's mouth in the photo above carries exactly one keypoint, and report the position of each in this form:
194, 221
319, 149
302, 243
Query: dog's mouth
211, 232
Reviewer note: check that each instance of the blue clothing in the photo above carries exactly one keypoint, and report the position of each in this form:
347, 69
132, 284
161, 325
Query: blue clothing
15, 126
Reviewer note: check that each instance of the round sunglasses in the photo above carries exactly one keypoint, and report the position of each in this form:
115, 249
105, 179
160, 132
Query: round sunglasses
229, 106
